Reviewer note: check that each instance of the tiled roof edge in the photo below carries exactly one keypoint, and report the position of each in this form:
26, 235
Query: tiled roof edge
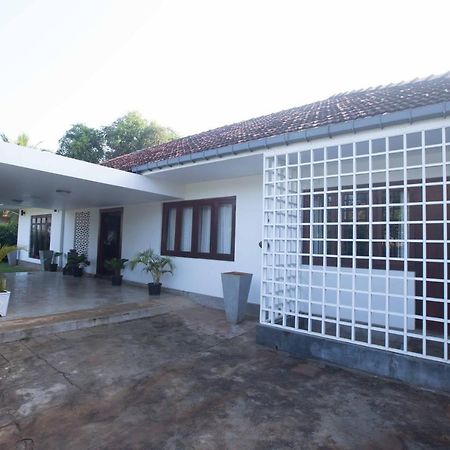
367, 123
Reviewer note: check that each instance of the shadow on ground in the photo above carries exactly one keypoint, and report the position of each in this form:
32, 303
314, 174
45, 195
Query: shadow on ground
188, 380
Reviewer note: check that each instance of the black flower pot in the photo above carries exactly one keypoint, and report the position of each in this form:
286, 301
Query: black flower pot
78, 272
116, 280
154, 288
53, 267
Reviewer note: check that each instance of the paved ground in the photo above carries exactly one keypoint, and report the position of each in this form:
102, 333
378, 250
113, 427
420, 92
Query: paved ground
187, 380
42, 293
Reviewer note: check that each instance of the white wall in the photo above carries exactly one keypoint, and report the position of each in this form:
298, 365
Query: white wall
24, 227
142, 230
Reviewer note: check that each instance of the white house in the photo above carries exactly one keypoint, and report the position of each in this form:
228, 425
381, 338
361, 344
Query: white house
339, 209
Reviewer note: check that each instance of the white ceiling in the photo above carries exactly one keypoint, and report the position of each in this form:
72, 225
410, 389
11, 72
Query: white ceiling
31, 178
34, 178
218, 169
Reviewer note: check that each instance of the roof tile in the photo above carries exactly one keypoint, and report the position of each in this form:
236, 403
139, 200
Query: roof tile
338, 108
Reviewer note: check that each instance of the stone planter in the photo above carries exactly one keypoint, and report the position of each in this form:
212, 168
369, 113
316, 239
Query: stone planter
4, 301
236, 286
46, 257
12, 258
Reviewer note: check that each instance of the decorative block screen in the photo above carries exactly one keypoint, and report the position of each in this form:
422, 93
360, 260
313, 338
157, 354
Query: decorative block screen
356, 242
81, 235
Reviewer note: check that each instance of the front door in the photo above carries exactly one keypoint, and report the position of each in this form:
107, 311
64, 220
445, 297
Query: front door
40, 234
110, 238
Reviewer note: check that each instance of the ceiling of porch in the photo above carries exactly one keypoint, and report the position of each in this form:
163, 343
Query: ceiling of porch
34, 178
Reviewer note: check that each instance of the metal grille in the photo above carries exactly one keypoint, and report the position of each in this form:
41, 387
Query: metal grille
356, 242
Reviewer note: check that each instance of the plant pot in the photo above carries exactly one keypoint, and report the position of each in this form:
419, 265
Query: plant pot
4, 301
12, 258
116, 280
45, 257
236, 286
78, 272
154, 288
53, 267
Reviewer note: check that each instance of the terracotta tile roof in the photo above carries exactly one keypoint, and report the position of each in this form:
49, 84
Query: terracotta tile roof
338, 108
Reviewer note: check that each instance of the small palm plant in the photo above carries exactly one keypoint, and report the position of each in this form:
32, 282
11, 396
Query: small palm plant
154, 264
116, 265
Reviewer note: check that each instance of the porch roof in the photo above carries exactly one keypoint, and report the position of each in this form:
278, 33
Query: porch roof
31, 177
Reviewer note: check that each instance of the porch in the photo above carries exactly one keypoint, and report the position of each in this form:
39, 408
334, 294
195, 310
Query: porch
44, 303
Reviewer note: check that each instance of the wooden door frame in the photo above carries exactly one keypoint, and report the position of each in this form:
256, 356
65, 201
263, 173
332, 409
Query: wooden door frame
99, 246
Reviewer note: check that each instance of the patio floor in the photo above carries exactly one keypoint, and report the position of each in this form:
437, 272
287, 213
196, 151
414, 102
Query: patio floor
189, 380
40, 293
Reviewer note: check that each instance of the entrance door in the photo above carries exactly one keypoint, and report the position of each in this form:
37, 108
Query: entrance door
40, 234
110, 238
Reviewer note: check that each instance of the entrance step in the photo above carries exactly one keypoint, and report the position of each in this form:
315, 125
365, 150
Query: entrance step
25, 328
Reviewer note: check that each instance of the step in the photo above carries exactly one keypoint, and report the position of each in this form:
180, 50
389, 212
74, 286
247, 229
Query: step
25, 328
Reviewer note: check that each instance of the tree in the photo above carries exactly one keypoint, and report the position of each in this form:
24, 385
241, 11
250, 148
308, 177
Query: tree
83, 142
133, 132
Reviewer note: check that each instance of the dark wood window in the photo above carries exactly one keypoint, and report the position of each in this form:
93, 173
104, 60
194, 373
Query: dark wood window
40, 234
200, 228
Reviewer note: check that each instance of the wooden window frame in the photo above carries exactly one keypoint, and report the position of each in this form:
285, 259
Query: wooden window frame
214, 203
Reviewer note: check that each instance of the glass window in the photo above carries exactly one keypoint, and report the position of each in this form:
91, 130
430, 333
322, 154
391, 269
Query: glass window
171, 225
200, 228
186, 230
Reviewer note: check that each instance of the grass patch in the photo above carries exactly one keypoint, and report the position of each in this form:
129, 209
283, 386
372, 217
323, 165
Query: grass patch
6, 268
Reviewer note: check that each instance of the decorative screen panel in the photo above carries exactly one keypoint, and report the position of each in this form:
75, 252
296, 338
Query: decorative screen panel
81, 238
356, 242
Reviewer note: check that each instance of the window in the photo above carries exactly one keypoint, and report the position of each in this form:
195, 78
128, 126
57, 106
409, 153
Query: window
40, 234
199, 228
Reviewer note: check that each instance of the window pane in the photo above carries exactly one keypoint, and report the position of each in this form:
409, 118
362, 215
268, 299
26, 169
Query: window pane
224, 229
171, 229
186, 230
204, 229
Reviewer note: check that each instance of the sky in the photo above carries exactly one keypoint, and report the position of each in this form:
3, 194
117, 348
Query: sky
195, 65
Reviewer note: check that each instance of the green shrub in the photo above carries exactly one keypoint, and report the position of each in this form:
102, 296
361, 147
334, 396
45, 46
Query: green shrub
8, 233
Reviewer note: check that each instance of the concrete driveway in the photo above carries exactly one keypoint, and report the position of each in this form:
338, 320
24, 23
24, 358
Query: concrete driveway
188, 380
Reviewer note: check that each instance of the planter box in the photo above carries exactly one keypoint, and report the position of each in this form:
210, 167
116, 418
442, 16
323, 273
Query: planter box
45, 257
236, 286
4, 301
12, 258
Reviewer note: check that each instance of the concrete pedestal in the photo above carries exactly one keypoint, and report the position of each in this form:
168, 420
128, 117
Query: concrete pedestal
236, 286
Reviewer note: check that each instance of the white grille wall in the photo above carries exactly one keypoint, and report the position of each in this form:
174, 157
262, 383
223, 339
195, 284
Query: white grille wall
356, 242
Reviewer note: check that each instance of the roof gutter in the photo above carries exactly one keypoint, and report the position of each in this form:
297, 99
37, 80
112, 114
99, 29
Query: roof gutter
437, 110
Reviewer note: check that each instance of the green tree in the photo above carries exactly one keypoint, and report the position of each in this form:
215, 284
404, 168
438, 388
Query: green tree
133, 132
83, 142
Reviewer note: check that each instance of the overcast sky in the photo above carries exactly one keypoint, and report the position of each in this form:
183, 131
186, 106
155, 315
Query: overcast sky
195, 65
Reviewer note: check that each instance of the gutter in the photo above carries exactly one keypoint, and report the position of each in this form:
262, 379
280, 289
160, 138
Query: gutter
411, 115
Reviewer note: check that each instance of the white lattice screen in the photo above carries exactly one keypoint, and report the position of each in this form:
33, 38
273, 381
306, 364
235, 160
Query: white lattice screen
356, 242
81, 235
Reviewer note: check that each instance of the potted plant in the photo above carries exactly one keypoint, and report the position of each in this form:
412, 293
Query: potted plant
4, 293
72, 262
75, 263
154, 264
116, 265
54, 264
82, 262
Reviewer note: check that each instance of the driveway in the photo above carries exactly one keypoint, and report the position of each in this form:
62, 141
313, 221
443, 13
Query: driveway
188, 380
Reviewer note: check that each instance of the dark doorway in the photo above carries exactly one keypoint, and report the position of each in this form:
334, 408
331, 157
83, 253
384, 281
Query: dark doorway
41, 227
110, 238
